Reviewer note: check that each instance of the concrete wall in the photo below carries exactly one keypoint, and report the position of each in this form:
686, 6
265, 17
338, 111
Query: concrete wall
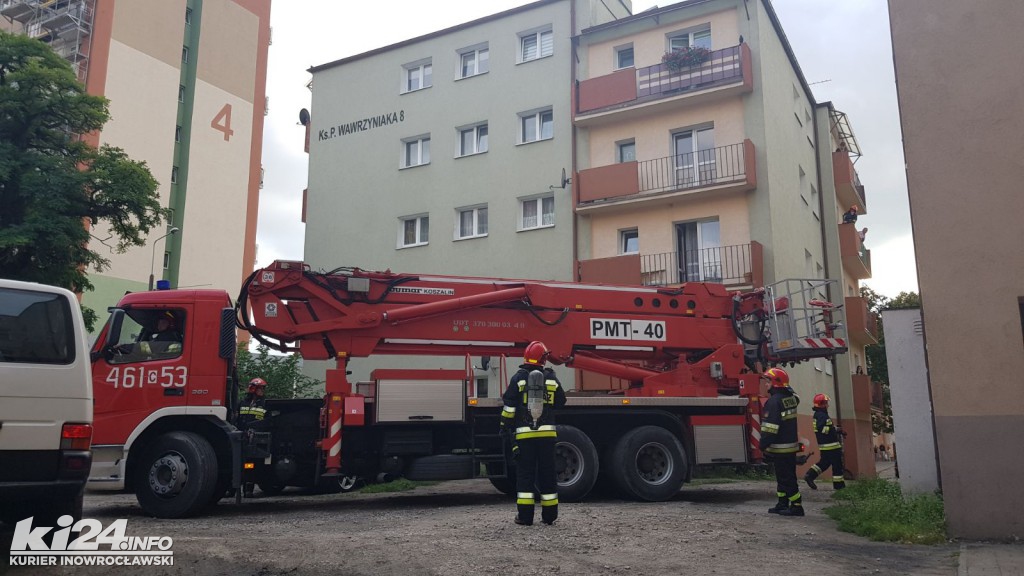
963, 170
911, 403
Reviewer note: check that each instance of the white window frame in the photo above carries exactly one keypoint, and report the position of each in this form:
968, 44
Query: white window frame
422, 239
480, 144
688, 36
538, 201
421, 143
537, 35
625, 236
619, 51
479, 224
419, 66
620, 146
475, 52
536, 116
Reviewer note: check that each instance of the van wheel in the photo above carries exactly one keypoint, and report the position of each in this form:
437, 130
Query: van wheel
576, 464
176, 475
649, 463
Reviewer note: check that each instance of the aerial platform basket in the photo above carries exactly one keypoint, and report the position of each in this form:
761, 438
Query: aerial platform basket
802, 321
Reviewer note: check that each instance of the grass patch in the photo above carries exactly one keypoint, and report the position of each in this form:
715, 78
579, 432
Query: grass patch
728, 475
400, 485
877, 509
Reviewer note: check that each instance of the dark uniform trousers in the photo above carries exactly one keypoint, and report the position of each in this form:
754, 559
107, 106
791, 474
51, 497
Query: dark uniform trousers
786, 484
536, 460
830, 459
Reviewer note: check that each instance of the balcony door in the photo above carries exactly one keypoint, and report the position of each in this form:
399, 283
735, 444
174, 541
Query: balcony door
694, 157
699, 251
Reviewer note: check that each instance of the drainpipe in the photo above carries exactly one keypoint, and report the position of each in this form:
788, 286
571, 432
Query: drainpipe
573, 39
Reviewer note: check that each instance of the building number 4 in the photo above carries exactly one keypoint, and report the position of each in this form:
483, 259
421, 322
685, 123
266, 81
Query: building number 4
222, 122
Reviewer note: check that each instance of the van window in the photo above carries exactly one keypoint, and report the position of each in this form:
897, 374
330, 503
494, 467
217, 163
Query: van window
35, 327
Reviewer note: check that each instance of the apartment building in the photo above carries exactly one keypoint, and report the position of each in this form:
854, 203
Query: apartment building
724, 169
965, 207
186, 83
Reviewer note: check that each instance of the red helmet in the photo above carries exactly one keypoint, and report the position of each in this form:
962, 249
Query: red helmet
536, 353
778, 377
257, 384
821, 401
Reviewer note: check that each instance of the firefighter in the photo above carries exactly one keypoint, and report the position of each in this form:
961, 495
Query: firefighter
250, 414
828, 435
779, 441
528, 415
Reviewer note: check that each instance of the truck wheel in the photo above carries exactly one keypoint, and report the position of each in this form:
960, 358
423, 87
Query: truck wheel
176, 475
649, 463
336, 484
576, 464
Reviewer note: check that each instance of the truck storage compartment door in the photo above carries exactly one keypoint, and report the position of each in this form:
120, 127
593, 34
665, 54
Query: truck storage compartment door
719, 439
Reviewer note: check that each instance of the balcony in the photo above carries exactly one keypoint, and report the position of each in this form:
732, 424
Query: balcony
726, 73
737, 266
727, 168
849, 190
862, 395
861, 324
856, 258
877, 397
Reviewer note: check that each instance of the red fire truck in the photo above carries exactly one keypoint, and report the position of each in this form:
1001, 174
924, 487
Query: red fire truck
685, 360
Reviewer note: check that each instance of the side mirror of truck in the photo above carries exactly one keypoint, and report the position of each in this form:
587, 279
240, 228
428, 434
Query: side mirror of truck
226, 347
113, 335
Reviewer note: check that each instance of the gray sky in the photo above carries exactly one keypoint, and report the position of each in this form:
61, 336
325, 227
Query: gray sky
843, 47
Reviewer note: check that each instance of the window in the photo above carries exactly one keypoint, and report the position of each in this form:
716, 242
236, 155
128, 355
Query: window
626, 151
472, 140
629, 241
416, 151
699, 251
472, 223
537, 212
184, 54
37, 329
188, 15
174, 175
177, 133
181, 92
167, 260
148, 335
624, 56
700, 38
474, 61
413, 231
534, 45
418, 75
536, 126
695, 161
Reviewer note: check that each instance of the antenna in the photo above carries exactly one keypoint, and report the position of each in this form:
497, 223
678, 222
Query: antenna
819, 82
304, 117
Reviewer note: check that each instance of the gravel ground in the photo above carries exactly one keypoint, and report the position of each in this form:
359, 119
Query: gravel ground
465, 527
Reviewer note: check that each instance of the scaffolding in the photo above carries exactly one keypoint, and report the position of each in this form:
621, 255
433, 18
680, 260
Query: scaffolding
66, 25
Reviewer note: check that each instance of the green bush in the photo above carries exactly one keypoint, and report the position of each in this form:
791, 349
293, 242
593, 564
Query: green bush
877, 509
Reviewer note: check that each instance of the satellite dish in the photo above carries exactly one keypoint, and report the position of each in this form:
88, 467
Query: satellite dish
304, 117
564, 179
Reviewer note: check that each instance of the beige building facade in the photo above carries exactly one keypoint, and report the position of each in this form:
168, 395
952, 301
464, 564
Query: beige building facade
186, 80
962, 124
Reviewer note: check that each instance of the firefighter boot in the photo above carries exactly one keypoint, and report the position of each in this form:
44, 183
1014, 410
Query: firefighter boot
524, 509
796, 507
783, 504
812, 473
549, 508
838, 483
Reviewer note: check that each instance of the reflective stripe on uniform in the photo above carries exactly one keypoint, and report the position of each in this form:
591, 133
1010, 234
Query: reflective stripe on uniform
525, 498
549, 499
545, 427
795, 498
536, 433
830, 446
788, 414
783, 448
816, 469
769, 427
837, 479
508, 412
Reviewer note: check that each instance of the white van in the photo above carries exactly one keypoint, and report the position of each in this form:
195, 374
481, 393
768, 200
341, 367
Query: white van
45, 403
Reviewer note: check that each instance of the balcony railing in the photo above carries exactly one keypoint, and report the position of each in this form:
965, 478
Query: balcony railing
730, 265
856, 258
693, 169
723, 66
728, 68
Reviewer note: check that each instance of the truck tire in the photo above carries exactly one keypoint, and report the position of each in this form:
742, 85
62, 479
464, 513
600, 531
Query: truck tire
648, 463
576, 464
176, 475
440, 467
338, 484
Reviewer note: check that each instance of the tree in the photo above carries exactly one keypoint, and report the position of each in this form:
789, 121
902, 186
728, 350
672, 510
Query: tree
54, 186
284, 380
878, 364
